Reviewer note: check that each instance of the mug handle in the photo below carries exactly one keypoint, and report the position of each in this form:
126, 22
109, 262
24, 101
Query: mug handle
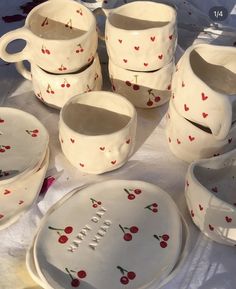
104, 12
20, 67
20, 33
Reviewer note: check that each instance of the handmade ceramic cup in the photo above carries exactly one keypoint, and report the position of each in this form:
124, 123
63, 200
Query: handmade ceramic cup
189, 141
97, 131
141, 35
60, 37
210, 196
143, 89
55, 89
204, 87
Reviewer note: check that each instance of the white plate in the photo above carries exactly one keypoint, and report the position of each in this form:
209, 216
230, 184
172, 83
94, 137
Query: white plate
15, 199
109, 235
23, 142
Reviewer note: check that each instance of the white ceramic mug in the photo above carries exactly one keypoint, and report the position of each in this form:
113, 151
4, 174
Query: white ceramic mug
141, 35
97, 131
204, 89
60, 37
189, 142
143, 89
55, 89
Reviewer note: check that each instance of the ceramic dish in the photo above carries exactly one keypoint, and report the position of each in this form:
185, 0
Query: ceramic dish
204, 87
16, 199
108, 231
143, 89
190, 142
211, 199
23, 144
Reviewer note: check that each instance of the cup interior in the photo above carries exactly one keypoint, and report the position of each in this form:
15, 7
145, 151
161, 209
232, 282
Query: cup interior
60, 20
142, 15
97, 113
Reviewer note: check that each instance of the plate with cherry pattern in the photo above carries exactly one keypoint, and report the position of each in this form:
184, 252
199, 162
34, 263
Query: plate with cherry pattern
113, 234
23, 143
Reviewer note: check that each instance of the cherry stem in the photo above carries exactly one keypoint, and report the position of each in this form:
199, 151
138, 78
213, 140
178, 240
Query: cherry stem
93, 201
122, 228
136, 78
155, 236
127, 191
148, 207
56, 229
121, 270
69, 273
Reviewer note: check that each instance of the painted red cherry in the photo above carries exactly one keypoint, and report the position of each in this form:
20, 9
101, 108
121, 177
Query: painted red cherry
163, 244
35, 131
43, 51
95, 205
134, 229
131, 275
34, 135
81, 274
149, 103
7, 147
137, 191
68, 230
127, 237
124, 280
128, 83
155, 205
136, 87
63, 85
131, 196
62, 239
165, 237
99, 203
47, 51
67, 85
1, 120
2, 150
157, 98
75, 283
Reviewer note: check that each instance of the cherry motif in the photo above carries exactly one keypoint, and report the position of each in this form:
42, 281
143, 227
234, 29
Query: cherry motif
62, 238
44, 50
91, 59
135, 85
163, 239
62, 67
132, 230
95, 203
79, 49
126, 275
192, 213
191, 138
75, 282
132, 192
96, 76
3, 148
88, 89
1, 120
230, 140
211, 227
49, 89
65, 84
183, 84
33, 133
228, 219
169, 87
69, 24
149, 102
79, 11
81, 274
152, 97
214, 189
4, 173
1, 216
125, 60
152, 207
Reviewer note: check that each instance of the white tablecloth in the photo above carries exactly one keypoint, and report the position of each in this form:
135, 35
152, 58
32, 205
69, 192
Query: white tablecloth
209, 265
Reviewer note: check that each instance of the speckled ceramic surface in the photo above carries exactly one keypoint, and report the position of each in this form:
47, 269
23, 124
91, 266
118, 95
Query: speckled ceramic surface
211, 199
107, 228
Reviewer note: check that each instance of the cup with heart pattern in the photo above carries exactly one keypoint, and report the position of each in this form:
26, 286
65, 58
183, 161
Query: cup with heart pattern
189, 141
204, 87
140, 35
55, 89
97, 131
144, 89
60, 37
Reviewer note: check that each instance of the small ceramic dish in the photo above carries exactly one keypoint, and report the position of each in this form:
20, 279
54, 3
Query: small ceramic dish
97, 131
23, 144
189, 141
143, 89
211, 199
108, 227
204, 87
18, 197
55, 89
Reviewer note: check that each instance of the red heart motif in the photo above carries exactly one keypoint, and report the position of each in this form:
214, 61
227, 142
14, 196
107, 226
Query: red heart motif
1, 120
21, 202
192, 213
186, 108
170, 37
160, 56
1, 216
113, 162
230, 140
228, 219
125, 60
145, 64
183, 84
82, 165
136, 47
120, 40
102, 148
205, 114
178, 141
169, 139
200, 207
72, 140
153, 38
6, 192
204, 97
215, 190
128, 141
191, 138
211, 227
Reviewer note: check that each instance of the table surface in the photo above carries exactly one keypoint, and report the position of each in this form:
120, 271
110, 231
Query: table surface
209, 265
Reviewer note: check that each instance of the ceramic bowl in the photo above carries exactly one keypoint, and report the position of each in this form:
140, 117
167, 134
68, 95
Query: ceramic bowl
60, 37
97, 131
210, 196
17, 197
204, 87
55, 89
23, 144
188, 141
143, 89
141, 35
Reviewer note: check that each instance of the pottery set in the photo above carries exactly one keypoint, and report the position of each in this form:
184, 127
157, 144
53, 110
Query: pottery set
202, 112
24, 160
141, 38
61, 44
